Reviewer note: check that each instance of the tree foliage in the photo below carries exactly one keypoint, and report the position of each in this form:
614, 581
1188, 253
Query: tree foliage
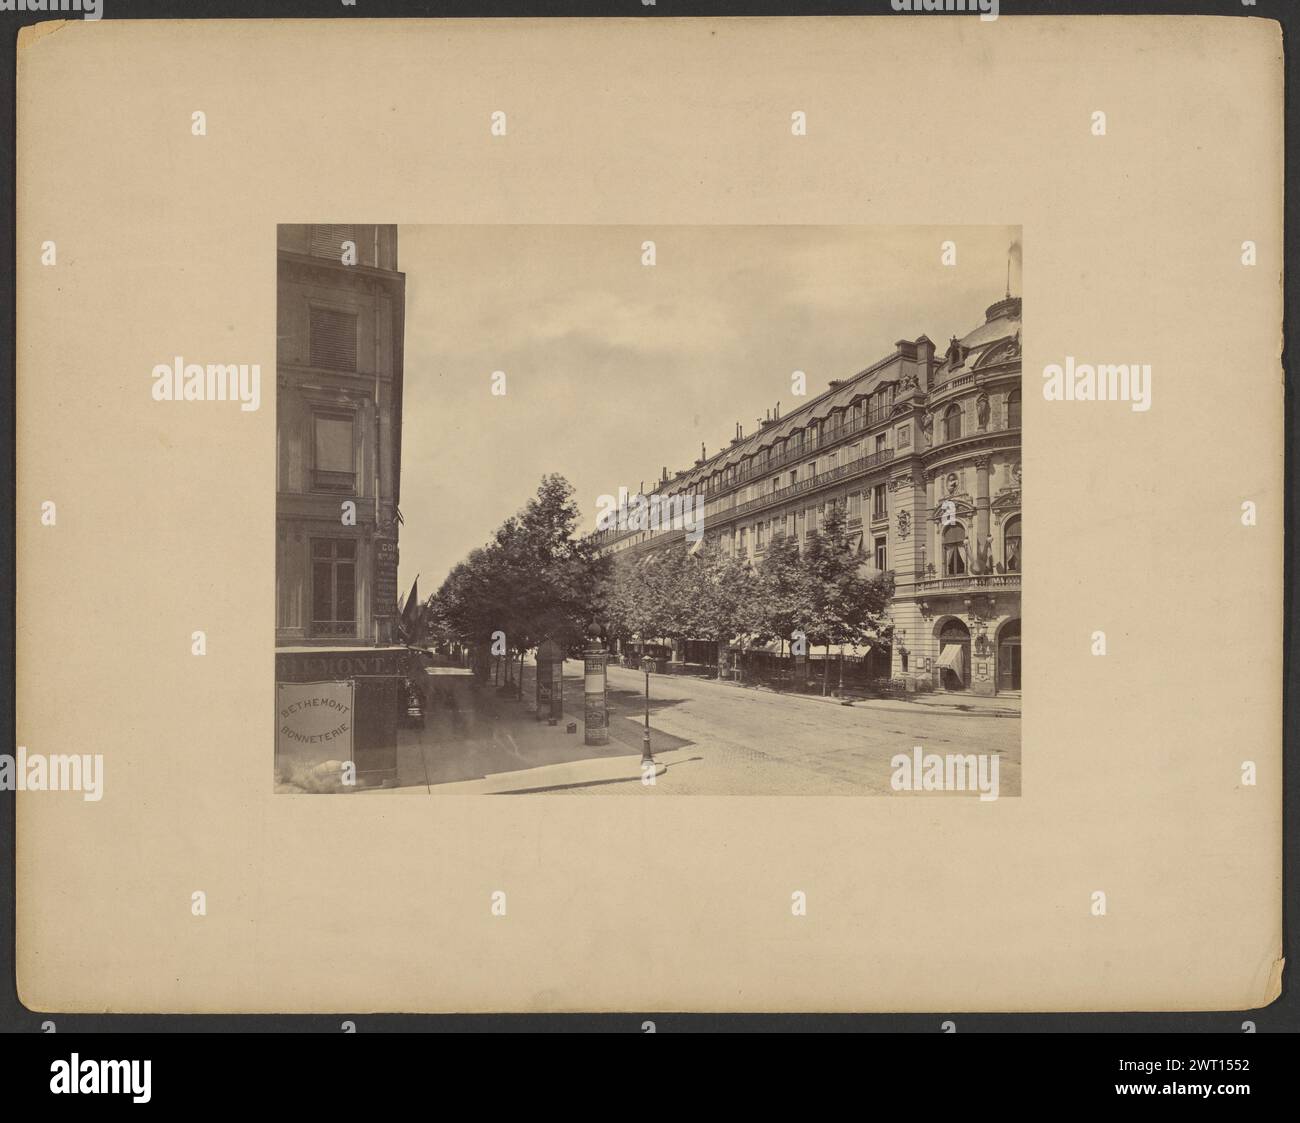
533, 581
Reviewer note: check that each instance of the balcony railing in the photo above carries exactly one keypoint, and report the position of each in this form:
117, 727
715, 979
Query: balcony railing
807, 448
853, 468
795, 455
771, 499
965, 581
346, 628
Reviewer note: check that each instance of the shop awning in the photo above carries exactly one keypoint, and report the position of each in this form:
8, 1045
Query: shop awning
951, 657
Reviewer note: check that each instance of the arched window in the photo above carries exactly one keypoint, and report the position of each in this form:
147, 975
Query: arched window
952, 423
1011, 545
1013, 410
954, 550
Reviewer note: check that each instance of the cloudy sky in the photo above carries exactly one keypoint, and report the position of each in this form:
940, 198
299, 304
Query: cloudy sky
615, 369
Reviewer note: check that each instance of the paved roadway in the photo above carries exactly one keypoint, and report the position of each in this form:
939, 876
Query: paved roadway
715, 738
750, 742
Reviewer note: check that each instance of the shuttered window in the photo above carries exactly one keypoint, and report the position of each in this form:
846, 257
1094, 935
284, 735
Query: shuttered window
333, 339
327, 240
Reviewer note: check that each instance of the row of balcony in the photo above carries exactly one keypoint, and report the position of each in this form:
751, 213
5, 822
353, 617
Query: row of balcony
773, 498
761, 465
853, 468
796, 455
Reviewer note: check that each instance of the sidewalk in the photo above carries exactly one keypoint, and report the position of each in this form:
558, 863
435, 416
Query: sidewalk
477, 740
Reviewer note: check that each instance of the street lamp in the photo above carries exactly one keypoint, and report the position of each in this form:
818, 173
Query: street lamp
646, 756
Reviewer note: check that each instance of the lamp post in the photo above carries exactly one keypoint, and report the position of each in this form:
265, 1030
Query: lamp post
646, 756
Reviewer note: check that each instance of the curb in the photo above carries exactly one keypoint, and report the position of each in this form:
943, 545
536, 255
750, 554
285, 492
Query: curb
625, 768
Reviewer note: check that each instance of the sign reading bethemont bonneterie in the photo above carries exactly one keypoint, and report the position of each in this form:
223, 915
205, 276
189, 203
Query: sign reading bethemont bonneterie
314, 719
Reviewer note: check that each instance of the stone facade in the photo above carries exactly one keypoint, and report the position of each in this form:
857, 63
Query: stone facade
923, 449
338, 434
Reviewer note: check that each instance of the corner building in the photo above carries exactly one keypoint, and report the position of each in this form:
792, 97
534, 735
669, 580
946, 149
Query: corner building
341, 306
923, 450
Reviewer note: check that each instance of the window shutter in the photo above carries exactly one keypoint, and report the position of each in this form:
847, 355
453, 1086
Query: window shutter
327, 240
333, 339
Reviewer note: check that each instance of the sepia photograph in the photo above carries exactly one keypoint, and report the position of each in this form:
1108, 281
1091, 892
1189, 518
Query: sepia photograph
694, 510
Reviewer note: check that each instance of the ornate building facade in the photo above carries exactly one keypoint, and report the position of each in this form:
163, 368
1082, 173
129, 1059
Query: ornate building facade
923, 451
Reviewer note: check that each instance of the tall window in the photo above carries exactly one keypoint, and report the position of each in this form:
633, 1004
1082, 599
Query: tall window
878, 502
812, 520
1013, 410
880, 443
855, 505
954, 550
952, 423
333, 466
334, 586
333, 339
1011, 545
882, 556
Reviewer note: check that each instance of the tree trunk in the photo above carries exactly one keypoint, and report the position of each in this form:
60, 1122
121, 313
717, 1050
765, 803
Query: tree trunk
826, 670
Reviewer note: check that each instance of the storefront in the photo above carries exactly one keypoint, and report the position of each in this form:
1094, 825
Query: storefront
352, 715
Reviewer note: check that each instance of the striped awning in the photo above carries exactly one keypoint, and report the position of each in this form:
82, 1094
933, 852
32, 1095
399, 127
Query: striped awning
951, 657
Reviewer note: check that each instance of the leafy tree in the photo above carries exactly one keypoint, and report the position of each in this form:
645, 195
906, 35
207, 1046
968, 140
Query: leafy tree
783, 600
849, 601
722, 591
533, 580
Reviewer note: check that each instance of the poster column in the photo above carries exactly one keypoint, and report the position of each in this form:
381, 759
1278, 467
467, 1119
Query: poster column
595, 715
